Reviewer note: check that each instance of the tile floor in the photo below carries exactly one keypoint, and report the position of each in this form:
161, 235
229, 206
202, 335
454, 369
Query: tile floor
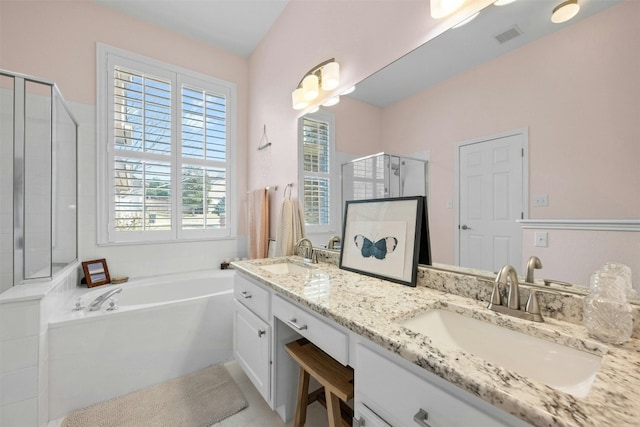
258, 413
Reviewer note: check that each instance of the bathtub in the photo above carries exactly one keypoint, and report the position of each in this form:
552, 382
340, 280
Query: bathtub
164, 327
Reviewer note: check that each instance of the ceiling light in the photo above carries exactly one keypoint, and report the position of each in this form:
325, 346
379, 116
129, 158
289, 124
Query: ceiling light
565, 11
317, 84
442, 8
502, 2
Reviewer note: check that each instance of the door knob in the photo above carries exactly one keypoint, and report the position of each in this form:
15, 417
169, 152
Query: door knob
465, 227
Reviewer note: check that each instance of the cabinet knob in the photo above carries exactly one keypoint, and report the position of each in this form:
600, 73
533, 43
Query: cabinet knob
261, 332
421, 418
245, 294
465, 227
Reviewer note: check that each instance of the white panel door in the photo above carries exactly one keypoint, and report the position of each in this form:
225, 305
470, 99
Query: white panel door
490, 202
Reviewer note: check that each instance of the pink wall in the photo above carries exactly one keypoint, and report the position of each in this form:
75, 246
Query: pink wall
56, 40
576, 90
363, 36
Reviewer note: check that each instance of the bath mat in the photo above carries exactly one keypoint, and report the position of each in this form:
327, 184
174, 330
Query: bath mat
199, 399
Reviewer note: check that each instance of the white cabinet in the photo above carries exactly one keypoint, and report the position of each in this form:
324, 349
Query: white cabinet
388, 393
329, 338
252, 333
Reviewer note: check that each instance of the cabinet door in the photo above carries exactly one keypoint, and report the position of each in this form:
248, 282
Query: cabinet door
251, 348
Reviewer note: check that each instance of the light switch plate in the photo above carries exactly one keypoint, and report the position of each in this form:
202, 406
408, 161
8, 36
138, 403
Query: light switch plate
541, 239
541, 200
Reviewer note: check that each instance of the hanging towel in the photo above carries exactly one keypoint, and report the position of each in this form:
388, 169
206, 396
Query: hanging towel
290, 227
258, 223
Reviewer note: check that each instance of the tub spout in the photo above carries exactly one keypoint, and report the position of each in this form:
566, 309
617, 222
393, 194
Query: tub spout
97, 303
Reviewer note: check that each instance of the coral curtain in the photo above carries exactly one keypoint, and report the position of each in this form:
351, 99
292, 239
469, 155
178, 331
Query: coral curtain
290, 227
258, 223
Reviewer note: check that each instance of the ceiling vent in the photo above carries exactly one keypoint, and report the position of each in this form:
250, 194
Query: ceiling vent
508, 34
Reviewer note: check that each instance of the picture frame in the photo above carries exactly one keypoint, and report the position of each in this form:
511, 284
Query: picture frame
96, 272
386, 238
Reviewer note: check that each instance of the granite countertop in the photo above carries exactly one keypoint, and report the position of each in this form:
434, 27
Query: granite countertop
374, 309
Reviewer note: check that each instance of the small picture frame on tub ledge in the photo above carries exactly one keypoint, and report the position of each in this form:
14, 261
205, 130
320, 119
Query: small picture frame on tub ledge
96, 272
386, 238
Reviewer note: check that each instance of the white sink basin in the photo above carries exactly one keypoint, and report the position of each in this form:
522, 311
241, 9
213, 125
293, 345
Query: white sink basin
563, 368
285, 268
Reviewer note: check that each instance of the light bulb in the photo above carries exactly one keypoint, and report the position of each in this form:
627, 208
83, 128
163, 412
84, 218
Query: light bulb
330, 76
310, 87
297, 99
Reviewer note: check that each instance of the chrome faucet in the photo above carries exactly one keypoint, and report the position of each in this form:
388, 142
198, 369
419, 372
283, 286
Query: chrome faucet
332, 242
508, 275
533, 264
307, 248
97, 303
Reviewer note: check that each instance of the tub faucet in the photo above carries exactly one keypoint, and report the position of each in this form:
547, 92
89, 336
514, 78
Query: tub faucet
533, 264
507, 274
97, 303
307, 248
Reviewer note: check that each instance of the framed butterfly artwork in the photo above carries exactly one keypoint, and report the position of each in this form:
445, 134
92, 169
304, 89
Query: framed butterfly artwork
386, 238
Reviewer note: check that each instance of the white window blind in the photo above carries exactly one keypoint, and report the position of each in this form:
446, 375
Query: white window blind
167, 171
316, 172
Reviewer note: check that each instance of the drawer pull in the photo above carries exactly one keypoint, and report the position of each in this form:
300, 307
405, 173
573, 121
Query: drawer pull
261, 332
245, 294
293, 323
421, 418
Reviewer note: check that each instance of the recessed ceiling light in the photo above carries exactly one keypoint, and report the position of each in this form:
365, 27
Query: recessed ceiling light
565, 11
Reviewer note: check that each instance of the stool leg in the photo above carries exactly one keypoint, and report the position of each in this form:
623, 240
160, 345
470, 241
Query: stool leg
303, 398
333, 410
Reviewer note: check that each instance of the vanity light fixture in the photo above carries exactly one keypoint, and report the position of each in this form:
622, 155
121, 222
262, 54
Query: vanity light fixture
348, 91
324, 77
442, 8
565, 11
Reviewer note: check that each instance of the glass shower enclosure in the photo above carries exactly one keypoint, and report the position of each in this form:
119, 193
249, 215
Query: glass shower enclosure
383, 175
38, 180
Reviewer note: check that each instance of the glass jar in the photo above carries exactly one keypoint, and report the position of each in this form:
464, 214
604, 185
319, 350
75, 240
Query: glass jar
607, 314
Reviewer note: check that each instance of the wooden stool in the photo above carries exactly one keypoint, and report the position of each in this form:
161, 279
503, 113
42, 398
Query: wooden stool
336, 381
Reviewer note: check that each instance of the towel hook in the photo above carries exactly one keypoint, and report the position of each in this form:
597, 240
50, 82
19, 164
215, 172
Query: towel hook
288, 187
265, 138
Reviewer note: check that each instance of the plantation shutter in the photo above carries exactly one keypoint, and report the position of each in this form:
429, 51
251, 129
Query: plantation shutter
316, 161
165, 162
142, 151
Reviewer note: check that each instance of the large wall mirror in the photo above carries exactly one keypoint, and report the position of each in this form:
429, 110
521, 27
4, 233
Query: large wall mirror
572, 87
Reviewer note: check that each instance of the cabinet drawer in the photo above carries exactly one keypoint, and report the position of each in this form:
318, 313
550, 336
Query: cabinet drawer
326, 336
402, 399
252, 296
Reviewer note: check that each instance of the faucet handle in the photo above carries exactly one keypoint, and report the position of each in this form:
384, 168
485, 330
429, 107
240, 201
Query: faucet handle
496, 298
533, 307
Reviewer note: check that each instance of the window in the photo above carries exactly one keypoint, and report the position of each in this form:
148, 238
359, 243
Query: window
166, 145
317, 172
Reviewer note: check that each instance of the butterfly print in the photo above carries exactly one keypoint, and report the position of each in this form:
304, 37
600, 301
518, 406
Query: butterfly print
378, 249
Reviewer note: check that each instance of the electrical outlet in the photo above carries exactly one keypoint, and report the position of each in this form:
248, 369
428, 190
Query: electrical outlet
541, 239
541, 200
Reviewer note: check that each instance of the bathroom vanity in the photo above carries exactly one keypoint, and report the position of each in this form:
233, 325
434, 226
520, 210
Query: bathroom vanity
404, 376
